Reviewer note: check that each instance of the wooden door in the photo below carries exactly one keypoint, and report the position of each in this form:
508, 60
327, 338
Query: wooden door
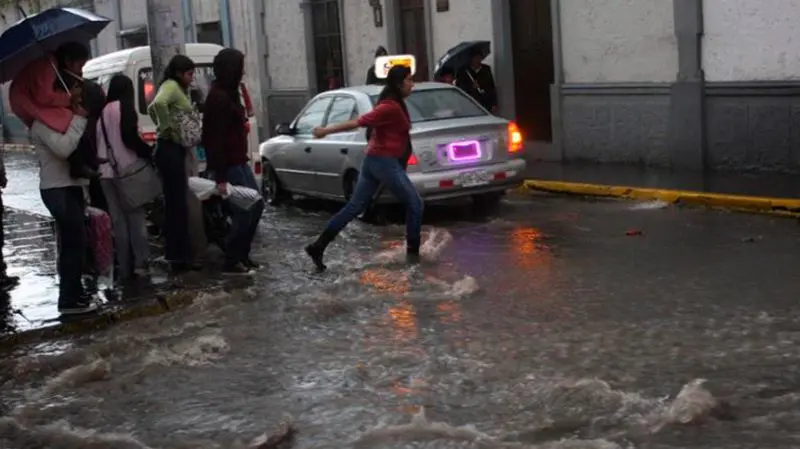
327, 44
532, 44
413, 39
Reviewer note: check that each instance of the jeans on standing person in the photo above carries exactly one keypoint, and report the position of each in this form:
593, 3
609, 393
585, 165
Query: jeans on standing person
170, 159
130, 232
375, 170
245, 221
67, 207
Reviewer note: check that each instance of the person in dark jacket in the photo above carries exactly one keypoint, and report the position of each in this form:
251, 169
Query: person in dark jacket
371, 78
225, 141
476, 79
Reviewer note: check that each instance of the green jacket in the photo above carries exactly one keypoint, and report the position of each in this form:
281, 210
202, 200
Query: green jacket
169, 101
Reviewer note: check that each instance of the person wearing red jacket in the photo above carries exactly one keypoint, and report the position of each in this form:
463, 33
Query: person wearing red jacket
388, 147
225, 141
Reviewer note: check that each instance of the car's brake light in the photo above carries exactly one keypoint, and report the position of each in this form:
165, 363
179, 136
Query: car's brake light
247, 127
257, 168
149, 137
412, 160
515, 141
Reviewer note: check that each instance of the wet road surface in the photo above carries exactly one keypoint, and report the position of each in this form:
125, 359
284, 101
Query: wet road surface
549, 323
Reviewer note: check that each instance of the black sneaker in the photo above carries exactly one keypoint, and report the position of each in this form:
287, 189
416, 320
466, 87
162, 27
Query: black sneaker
8, 282
81, 307
236, 269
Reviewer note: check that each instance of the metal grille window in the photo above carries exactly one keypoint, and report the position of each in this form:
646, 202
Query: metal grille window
327, 44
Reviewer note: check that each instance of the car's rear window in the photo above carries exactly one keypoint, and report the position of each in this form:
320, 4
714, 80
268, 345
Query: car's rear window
439, 104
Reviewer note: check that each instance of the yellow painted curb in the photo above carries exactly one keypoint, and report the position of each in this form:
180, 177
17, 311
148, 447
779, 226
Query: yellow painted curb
124, 312
785, 207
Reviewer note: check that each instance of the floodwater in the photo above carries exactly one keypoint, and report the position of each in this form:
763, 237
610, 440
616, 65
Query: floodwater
551, 323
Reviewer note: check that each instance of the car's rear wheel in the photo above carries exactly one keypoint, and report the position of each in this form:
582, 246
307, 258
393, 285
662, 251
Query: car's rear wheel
271, 187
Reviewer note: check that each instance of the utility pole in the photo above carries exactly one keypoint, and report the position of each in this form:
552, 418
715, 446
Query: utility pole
166, 30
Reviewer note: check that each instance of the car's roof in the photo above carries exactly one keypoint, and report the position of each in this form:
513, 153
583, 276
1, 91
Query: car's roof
375, 89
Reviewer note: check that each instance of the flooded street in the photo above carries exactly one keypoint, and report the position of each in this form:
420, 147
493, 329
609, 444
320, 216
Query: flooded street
549, 323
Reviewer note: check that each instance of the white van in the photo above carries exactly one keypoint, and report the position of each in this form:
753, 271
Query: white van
136, 64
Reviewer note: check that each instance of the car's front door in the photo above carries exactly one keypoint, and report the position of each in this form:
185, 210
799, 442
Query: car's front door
331, 153
297, 172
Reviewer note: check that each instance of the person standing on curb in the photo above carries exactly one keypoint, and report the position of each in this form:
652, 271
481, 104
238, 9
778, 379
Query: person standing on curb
171, 100
6, 282
225, 141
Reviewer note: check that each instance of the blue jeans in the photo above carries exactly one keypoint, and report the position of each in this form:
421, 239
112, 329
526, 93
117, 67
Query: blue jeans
245, 221
67, 206
377, 170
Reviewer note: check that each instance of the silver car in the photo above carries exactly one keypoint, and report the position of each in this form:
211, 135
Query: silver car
460, 149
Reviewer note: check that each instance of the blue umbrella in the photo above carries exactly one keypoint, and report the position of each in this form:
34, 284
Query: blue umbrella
42, 33
460, 55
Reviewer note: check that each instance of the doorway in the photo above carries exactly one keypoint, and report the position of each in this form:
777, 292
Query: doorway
327, 44
413, 38
534, 68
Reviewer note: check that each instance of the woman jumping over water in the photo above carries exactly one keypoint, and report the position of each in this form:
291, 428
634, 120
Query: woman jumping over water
387, 151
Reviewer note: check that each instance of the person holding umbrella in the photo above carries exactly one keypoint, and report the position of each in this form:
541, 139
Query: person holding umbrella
46, 90
476, 80
33, 40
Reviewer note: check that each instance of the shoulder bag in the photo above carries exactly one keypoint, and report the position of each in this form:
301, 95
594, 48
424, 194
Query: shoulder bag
138, 183
189, 128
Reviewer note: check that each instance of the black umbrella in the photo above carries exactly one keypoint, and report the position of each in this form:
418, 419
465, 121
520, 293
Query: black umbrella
35, 36
460, 55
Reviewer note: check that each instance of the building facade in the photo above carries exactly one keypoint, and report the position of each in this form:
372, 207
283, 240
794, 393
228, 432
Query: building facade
694, 84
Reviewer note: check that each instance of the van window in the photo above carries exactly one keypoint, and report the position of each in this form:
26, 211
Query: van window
203, 75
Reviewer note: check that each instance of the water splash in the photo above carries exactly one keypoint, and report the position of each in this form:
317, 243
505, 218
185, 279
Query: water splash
431, 249
96, 370
61, 435
202, 350
421, 429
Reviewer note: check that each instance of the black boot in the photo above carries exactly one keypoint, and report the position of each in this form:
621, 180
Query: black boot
412, 253
316, 250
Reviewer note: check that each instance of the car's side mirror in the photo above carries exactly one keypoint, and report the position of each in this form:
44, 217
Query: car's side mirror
284, 129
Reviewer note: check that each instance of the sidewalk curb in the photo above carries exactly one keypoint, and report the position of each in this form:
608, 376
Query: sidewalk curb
158, 305
783, 207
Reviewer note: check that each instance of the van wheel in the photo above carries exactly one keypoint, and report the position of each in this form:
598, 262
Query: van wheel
271, 187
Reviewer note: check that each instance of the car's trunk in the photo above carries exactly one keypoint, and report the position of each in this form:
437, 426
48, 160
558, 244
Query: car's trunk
459, 143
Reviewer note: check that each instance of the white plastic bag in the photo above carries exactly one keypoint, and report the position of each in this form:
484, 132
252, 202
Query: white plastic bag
202, 188
243, 197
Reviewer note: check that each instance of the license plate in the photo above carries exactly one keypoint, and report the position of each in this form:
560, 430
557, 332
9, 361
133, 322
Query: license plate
475, 178
465, 151
200, 152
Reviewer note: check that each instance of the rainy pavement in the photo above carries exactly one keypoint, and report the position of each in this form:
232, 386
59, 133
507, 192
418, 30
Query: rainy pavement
548, 323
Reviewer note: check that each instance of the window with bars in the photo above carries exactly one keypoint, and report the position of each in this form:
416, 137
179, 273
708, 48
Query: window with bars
327, 44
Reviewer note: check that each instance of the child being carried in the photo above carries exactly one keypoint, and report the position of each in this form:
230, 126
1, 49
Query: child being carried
37, 93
